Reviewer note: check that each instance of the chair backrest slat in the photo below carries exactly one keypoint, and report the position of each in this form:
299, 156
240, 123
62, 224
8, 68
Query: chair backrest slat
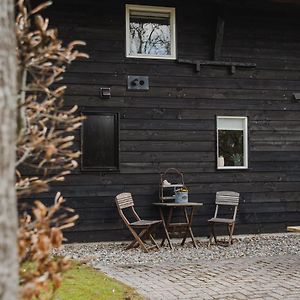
124, 200
227, 198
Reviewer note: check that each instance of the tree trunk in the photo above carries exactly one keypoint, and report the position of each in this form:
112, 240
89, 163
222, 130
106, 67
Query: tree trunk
8, 208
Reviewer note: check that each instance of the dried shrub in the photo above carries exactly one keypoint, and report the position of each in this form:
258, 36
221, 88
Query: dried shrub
45, 129
39, 234
44, 147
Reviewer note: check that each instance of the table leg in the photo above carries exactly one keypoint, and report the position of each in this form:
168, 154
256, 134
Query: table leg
189, 220
165, 228
187, 224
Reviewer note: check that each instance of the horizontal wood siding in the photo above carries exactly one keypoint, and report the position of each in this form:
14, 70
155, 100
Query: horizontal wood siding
173, 124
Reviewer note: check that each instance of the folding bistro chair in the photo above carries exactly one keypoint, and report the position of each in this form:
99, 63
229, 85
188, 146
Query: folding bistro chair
140, 229
230, 200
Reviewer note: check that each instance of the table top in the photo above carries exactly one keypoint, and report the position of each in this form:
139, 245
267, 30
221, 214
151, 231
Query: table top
173, 204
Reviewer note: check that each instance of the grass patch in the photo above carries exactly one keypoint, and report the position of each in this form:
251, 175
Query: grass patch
85, 283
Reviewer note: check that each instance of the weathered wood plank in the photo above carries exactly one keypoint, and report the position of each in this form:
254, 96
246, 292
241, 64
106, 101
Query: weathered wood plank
293, 228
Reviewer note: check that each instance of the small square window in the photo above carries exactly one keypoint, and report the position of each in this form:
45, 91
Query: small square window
150, 32
232, 143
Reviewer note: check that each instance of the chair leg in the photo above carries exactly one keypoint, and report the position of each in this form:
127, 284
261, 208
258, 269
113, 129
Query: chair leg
141, 235
138, 239
230, 230
150, 236
212, 235
209, 240
153, 241
135, 243
144, 234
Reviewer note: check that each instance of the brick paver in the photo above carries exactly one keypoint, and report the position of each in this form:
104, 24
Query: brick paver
244, 278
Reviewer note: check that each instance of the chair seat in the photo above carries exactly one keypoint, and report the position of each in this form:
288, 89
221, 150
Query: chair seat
145, 223
221, 220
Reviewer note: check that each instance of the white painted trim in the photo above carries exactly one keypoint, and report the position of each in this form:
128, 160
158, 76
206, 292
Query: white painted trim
245, 142
233, 168
147, 8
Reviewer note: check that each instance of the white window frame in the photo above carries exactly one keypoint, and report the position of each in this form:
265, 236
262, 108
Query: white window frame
146, 8
245, 142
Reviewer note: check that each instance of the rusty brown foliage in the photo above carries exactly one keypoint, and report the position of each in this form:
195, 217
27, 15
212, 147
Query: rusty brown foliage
39, 234
44, 146
45, 129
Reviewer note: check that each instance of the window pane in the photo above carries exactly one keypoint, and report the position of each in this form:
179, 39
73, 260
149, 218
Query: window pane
231, 148
150, 33
100, 142
230, 124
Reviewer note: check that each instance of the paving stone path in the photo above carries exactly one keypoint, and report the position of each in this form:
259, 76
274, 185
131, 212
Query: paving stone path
276, 277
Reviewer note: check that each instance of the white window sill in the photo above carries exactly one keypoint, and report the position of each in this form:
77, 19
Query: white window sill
152, 57
232, 168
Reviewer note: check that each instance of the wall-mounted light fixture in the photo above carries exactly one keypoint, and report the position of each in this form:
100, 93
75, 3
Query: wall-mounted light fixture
296, 97
105, 93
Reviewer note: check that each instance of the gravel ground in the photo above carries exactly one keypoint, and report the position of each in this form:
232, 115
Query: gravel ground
114, 253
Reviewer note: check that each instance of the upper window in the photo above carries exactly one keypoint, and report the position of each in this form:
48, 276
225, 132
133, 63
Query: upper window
150, 32
232, 143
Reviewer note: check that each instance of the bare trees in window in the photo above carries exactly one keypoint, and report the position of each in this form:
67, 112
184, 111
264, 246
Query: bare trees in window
150, 38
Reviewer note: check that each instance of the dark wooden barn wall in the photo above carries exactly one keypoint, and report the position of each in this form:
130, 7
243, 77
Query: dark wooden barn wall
173, 124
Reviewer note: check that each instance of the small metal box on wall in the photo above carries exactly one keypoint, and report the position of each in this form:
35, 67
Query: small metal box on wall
138, 83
